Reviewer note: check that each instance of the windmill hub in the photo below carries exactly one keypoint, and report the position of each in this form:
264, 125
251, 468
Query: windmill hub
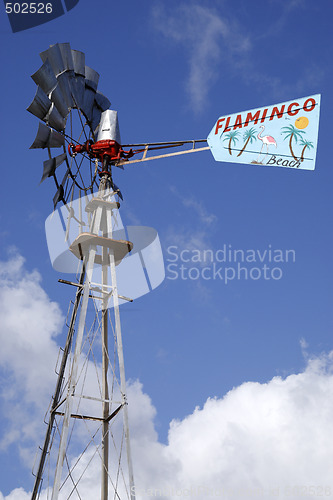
106, 151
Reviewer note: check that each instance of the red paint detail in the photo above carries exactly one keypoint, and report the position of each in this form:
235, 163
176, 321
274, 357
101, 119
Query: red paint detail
250, 118
264, 115
100, 150
218, 125
227, 128
277, 112
313, 104
290, 112
74, 149
238, 122
106, 147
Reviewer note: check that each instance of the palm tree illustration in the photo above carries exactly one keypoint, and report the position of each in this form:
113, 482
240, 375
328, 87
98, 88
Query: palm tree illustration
249, 136
292, 132
232, 138
305, 144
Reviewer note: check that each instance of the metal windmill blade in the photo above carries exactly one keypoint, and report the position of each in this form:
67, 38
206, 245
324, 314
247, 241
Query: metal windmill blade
66, 93
47, 138
51, 165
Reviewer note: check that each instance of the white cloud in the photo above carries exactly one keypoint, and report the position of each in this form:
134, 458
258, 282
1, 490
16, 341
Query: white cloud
197, 206
285, 12
197, 238
29, 323
194, 237
216, 43
17, 494
264, 436
207, 37
259, 439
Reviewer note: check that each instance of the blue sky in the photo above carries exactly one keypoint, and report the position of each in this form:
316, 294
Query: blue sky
171, 69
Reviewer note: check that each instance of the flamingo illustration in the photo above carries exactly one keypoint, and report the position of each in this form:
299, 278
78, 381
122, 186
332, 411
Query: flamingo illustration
266, 140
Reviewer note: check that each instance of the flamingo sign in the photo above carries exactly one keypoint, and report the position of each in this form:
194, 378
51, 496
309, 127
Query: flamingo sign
280, 135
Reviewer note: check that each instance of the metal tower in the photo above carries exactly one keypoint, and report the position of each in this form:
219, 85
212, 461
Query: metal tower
83, 402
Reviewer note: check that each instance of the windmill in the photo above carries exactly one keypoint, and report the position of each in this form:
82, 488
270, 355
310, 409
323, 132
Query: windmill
76, 117
84, 424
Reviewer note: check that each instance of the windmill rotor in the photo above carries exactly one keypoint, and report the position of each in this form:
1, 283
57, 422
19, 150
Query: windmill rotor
68, 102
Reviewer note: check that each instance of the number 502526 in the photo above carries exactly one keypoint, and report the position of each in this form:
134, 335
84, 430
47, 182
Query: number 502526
28, 8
